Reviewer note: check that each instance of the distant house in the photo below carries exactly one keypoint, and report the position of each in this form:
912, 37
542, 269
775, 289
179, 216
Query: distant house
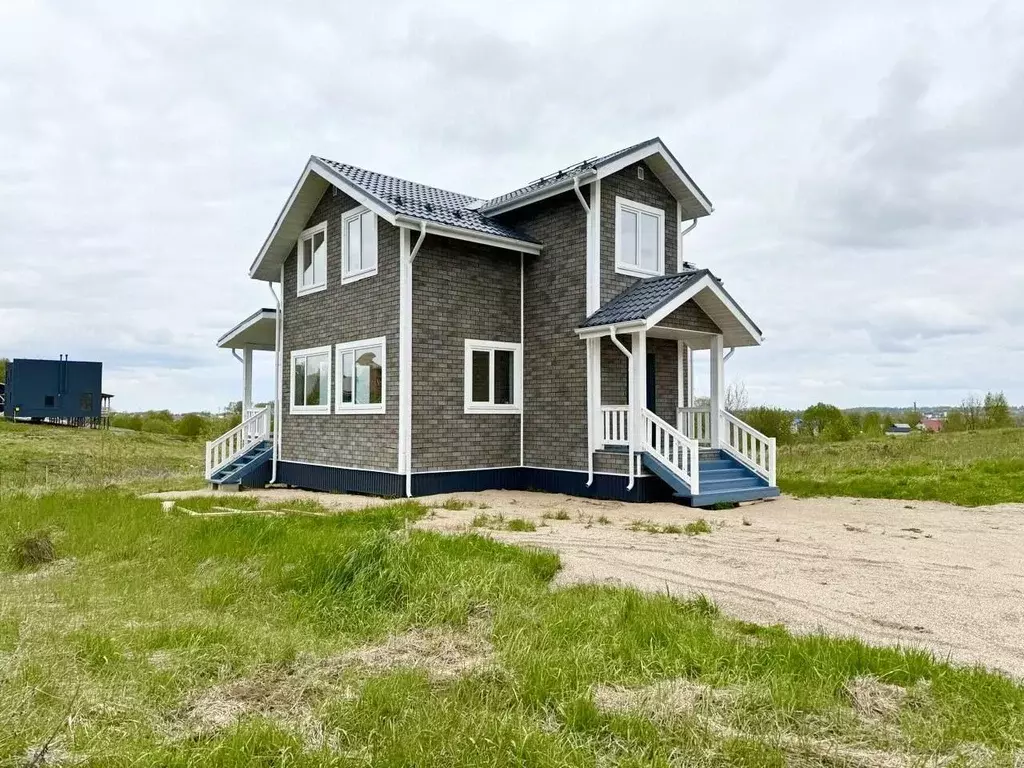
57, 391
896, 430
931, 424
795, 425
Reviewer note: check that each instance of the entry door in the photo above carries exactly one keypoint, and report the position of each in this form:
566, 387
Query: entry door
652, 403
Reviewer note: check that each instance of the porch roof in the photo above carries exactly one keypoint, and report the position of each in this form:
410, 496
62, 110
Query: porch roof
647, 302
257, 331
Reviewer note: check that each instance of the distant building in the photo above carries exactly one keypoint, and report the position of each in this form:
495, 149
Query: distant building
56, 391
896, 430
931, 424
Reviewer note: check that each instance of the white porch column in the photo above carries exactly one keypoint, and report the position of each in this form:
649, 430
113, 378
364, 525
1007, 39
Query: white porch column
595, 425
717, 388
638, 394
246, 380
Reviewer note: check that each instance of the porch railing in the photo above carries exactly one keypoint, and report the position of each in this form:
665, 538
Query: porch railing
748, 446
695, 423
675, 450
615, 419
236, 441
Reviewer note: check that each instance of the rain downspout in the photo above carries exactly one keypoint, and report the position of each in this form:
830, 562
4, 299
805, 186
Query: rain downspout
632, 386
591, 443
408, 363
278, 394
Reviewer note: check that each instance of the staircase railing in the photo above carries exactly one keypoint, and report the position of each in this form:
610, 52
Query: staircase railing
695, 423
748, 446
615, 419
681, 454
236, 441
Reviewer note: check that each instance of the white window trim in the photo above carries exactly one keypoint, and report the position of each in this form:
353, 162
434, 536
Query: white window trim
477, 345
633, 269
348, 346
346, 217
292, 408
300, 289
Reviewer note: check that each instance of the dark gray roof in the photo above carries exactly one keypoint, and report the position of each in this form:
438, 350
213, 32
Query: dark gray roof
643, 298
422, 202
568, 172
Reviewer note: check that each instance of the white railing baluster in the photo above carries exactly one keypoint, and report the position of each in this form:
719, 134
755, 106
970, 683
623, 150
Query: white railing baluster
615, 420
255, 428
749, 447
676, 450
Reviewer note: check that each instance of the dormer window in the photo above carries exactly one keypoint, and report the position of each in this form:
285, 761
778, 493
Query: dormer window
639, 239
312, 257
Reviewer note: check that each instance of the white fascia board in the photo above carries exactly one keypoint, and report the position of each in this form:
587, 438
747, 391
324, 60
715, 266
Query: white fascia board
605, 330
314, 165
657, 148
705, 283
457, 233
224, 342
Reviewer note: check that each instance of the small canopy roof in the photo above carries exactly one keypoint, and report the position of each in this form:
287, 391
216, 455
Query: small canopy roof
257, 331
647, 302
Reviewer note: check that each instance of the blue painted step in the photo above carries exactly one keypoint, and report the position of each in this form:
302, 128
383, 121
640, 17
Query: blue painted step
722, 479
247, 463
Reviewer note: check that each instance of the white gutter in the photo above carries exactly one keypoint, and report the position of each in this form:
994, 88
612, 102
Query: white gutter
728, 355
689, 229
234, 354
632, 387
278, 368
576, 189
405, 364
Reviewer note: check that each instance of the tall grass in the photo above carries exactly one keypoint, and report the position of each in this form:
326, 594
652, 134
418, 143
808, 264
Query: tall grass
967, 468
144, 612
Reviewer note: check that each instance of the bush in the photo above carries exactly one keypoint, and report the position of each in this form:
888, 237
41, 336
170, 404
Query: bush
773, 422
191, 425
827, 421
127, 421
33, 550
157, 426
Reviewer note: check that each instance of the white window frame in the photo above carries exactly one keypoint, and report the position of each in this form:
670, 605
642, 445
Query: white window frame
636, 270
297, 409
346, 218
477, 345
353, 346
300, 289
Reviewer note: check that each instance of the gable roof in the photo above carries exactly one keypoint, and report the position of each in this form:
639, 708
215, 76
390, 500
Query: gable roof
644, 304
657, 156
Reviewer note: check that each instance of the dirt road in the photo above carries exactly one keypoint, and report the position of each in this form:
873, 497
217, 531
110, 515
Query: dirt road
933, 575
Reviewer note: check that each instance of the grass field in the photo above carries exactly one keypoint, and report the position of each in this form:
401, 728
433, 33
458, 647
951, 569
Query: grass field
968, 468
160, 639
41, 458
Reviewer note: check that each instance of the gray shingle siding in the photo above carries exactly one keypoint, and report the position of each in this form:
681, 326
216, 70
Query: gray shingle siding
614, 379
364, 309
555, 378
460, 291
690, 317
651, 192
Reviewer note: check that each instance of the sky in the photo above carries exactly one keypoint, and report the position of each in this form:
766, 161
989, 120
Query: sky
864, 159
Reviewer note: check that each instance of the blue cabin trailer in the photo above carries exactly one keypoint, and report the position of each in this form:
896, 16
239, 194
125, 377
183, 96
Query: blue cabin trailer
56, 391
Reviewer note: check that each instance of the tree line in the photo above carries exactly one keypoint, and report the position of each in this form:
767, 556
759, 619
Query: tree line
190, 425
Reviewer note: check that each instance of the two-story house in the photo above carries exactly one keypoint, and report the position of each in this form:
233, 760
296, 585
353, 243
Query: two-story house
428, 341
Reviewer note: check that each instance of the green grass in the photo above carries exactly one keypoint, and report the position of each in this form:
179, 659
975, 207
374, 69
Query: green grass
966, 468
43, 457
147, 616
693, 528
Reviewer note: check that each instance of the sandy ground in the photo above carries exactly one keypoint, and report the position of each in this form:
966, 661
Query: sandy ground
924, 574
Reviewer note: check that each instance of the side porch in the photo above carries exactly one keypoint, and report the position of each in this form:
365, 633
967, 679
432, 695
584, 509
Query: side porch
639, 424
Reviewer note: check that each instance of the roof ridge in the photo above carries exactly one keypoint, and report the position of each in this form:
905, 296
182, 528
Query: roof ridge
470, 198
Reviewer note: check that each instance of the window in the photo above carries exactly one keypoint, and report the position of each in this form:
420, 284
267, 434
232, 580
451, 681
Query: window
493, 377
48, 401
312, 255
361, 376
639, 239
311, 380
359, 245
85, 402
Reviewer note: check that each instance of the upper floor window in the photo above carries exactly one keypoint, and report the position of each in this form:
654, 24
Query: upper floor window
311, 380
312, 253
361, 376
639, 239
358, 245
493, 377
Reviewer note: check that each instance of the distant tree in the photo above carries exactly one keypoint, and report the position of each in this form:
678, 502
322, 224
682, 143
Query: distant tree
973, 412
826, 421
3, 368
996, 411
871, 424
736, 399
233, 408
773, 422
156, 426
127, 421
191, 425
955, 421
163, 415
855, 420
912, 417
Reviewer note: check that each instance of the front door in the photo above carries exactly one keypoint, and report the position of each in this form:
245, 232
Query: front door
652, 403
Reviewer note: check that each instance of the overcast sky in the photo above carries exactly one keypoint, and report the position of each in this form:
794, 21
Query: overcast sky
865, 161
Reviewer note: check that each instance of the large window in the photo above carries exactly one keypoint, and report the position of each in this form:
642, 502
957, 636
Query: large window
639, 239
311, 380
361, 376
358, 245
493, 377
312, 254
